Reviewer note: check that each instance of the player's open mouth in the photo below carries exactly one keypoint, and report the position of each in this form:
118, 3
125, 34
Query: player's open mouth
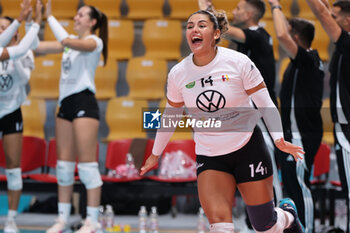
196, 40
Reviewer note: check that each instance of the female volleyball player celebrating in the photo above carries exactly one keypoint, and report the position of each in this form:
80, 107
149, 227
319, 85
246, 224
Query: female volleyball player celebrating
77, 121
220, 82
17, 63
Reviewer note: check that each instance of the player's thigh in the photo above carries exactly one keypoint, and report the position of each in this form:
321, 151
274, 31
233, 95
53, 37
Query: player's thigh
257, 192
12, 144
65, 140
85, 136
216, 191
253, 171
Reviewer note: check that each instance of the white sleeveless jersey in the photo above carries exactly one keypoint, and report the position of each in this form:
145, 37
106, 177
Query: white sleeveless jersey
78, 69
14, 75
218, 90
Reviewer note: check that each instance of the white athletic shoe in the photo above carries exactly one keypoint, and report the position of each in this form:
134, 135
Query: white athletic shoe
88, 227
10, 226
59, 227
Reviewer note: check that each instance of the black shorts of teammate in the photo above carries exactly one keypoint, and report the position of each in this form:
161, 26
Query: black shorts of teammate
250, 163
82, 104
12, 123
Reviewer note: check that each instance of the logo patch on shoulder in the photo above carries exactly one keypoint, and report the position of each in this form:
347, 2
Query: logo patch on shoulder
191, 85
224, 78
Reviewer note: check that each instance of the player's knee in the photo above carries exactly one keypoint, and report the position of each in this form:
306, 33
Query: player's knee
14, 179
219, 213
222, 227
263, 217
65, 172
12, 162
90, 175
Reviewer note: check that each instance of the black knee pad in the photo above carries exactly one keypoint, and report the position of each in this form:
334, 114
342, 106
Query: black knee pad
262, 217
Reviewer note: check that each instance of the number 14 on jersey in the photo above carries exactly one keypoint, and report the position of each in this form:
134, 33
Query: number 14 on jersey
257, 169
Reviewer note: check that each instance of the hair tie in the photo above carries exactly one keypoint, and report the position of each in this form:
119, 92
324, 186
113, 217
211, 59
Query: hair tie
214, 17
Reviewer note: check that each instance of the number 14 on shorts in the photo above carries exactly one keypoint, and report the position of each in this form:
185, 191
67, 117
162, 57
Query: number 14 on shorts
258, 169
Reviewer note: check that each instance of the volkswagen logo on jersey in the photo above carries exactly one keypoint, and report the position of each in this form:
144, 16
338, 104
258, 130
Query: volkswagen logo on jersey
66, 64
210, 101
6, 82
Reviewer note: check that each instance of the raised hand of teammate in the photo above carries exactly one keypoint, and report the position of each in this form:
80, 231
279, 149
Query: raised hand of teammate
38, 11
289, 148
26, 10
205, 4
150, 162
29, 17
48, 9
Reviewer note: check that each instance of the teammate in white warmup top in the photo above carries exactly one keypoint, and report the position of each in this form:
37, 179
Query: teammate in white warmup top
215, 82
17, 63
77, 120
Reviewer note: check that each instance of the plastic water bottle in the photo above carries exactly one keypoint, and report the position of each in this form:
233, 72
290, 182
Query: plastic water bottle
154, 220
101, 217
109, 218
143, 220
201, 222
130, 165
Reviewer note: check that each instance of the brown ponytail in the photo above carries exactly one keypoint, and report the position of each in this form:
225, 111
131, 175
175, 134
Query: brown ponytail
102, 25
222, 20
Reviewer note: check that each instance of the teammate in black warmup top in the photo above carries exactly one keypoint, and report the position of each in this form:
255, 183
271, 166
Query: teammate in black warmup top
301, 102
252, 40
336, 23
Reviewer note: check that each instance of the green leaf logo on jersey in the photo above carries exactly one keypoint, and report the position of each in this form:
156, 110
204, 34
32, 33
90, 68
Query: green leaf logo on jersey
191, 85
66, 49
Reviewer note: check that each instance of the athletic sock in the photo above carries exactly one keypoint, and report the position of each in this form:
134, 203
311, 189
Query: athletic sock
92, 214
11, 214
222, 227
64, 211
